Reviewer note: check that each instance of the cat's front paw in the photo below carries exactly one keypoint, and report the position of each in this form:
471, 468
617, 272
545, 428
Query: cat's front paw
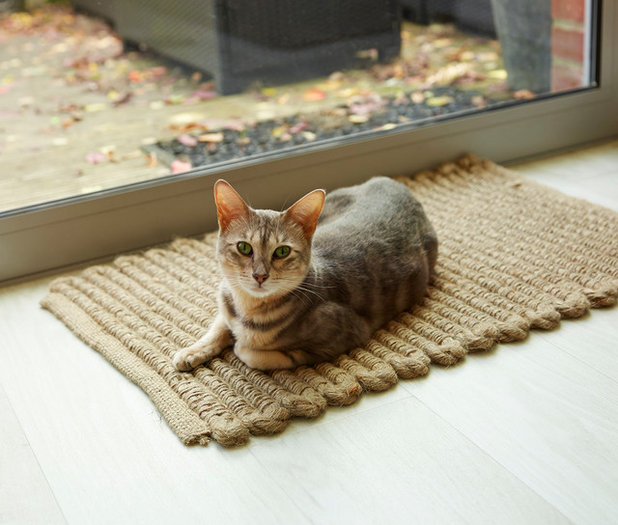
186, 359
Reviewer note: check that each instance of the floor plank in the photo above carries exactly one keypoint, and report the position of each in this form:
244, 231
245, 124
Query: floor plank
547, 417
25, 496
600, 328
396, 464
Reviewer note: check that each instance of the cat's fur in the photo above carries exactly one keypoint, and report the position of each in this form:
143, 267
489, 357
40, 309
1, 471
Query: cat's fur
370, 258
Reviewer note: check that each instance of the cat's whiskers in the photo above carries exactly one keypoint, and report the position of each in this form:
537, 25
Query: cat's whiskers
238, 282
309, 290
301, 296
302, 287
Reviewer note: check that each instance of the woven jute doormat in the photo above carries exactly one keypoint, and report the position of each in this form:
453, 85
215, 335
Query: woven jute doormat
514, 255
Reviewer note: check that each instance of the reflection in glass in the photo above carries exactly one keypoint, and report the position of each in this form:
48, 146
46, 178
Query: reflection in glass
96, 95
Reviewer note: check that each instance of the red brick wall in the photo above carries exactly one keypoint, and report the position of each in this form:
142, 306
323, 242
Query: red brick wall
568, 43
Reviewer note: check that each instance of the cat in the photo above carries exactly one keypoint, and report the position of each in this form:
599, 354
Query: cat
309, 283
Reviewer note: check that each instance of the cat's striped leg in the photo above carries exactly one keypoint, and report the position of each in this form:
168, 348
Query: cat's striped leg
210, 345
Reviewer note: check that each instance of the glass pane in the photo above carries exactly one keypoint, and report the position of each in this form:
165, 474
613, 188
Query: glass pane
95, 95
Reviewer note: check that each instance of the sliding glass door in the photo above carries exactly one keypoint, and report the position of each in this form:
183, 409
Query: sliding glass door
116, 117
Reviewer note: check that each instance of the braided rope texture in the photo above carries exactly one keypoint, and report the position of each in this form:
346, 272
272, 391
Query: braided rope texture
514, 255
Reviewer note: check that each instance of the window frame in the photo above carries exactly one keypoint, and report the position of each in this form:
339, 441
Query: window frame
62, 233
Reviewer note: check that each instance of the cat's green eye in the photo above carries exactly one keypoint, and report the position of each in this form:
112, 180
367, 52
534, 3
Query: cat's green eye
244, 248
281, 252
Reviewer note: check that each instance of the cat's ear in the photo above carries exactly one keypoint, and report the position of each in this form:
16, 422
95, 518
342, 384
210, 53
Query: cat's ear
230, 205
306, 211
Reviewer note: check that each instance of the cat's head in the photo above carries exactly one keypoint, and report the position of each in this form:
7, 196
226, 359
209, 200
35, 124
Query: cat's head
264, 252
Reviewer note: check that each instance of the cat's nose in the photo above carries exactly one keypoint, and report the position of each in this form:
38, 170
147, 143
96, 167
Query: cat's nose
260, 277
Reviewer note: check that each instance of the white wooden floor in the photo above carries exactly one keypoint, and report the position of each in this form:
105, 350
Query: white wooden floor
526, 434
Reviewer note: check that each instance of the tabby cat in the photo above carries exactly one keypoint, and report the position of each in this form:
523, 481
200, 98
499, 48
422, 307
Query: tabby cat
307, 284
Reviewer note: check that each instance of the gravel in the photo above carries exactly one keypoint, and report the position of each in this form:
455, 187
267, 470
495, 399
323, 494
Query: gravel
220, 145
